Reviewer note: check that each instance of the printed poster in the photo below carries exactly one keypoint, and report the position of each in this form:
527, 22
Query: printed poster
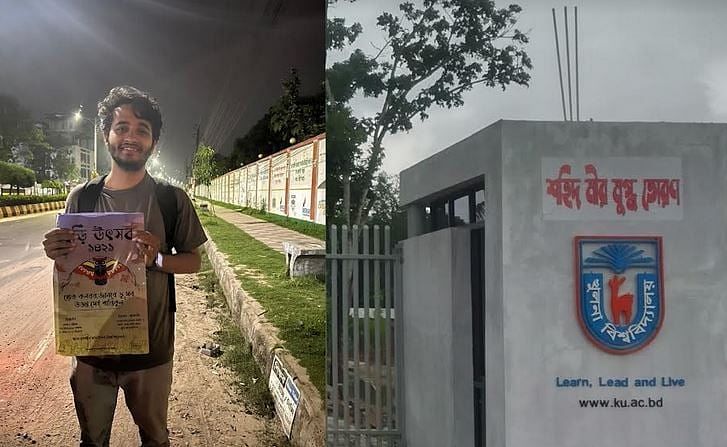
100, 287
285, 394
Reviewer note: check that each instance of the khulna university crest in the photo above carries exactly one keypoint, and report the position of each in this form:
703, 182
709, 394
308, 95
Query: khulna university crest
620, 290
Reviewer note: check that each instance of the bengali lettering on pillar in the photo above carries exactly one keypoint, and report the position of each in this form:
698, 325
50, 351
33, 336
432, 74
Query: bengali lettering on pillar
617, 188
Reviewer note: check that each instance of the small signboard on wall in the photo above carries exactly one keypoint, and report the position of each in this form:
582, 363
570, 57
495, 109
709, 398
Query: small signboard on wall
285, 394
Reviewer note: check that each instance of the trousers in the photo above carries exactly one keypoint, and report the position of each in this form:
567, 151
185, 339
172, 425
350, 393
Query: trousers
146, 393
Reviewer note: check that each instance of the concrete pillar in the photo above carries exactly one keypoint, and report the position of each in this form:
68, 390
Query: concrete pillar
415, 219
437, 340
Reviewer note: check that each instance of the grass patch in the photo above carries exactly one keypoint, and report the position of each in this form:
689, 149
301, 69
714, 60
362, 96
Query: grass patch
237, 356
295, 306
311, 229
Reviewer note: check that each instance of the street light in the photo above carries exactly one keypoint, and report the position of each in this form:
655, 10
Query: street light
79, 117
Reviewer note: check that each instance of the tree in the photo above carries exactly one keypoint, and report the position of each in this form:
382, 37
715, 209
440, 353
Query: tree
63, 165
292, 115
298, 116
223, 164
42, 162
260, 139
432, 55
15, 126
385, 199
203, 166
385, 208
345, 135
53, 184
16, 176
337, 33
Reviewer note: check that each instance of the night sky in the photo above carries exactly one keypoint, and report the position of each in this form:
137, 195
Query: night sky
217, 62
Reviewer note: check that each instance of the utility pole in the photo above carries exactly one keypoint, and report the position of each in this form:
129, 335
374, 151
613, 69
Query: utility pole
188, 165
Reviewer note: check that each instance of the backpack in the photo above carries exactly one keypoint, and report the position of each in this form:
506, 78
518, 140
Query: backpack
167, 200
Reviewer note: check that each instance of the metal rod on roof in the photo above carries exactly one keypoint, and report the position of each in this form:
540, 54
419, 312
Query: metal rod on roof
567, 58
560, 70
578, 100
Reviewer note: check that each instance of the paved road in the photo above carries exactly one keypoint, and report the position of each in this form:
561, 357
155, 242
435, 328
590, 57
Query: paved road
20, 237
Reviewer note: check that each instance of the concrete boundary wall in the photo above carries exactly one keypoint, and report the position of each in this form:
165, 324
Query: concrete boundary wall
309, 424
289, 183
19, 210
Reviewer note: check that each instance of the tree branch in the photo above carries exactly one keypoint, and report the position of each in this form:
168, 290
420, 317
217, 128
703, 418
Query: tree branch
381, 50
433, 69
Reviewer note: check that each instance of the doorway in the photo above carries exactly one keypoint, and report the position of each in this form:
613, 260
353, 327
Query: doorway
477, 276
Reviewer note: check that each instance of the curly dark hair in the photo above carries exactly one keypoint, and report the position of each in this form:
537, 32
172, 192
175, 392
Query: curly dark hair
144, 106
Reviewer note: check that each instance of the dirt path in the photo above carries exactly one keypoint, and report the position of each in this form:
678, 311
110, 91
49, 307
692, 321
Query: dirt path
36, 407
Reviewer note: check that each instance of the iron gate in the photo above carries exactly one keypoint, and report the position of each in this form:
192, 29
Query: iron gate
363, 383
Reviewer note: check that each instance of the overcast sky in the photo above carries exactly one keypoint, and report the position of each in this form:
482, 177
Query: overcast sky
639, 61
220, 62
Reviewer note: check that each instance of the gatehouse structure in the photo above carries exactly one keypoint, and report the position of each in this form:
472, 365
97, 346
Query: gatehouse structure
563, 285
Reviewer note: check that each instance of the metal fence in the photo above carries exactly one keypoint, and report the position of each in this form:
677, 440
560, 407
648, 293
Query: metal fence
364, 370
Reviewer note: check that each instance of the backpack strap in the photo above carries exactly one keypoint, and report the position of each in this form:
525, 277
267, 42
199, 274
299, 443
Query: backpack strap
167, 200
89, 194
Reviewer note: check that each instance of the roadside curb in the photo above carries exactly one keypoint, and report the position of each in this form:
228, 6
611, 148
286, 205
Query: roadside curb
309, 424
19, 210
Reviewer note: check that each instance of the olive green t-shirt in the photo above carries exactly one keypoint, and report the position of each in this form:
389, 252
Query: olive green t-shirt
188, 236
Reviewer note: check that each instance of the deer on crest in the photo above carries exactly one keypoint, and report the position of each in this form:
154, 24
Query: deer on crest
621, 305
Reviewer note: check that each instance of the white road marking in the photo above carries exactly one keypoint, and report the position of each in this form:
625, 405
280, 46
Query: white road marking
36, 354
42, 345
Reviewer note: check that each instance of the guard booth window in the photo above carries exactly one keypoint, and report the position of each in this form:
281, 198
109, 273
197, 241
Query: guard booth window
463, 208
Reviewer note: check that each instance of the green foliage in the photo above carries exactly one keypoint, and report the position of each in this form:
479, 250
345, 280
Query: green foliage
204, 168
295, 115
30, 199
223, 164
259, 140
18, 134
385, 209
16, 176
338, 34
236, 352
42, 159
64, 166
292, 115
344, 179
15, 126
52, 184
432, 55
295, 306
385, 199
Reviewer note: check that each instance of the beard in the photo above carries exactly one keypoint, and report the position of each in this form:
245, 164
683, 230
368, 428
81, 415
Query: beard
133, 165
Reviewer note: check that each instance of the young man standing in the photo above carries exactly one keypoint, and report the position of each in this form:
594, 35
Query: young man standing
131, 124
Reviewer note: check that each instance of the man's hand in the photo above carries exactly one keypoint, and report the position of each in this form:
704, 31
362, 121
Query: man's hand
148, 245
58, 242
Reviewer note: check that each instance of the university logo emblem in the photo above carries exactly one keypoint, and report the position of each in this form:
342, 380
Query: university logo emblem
620, 290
